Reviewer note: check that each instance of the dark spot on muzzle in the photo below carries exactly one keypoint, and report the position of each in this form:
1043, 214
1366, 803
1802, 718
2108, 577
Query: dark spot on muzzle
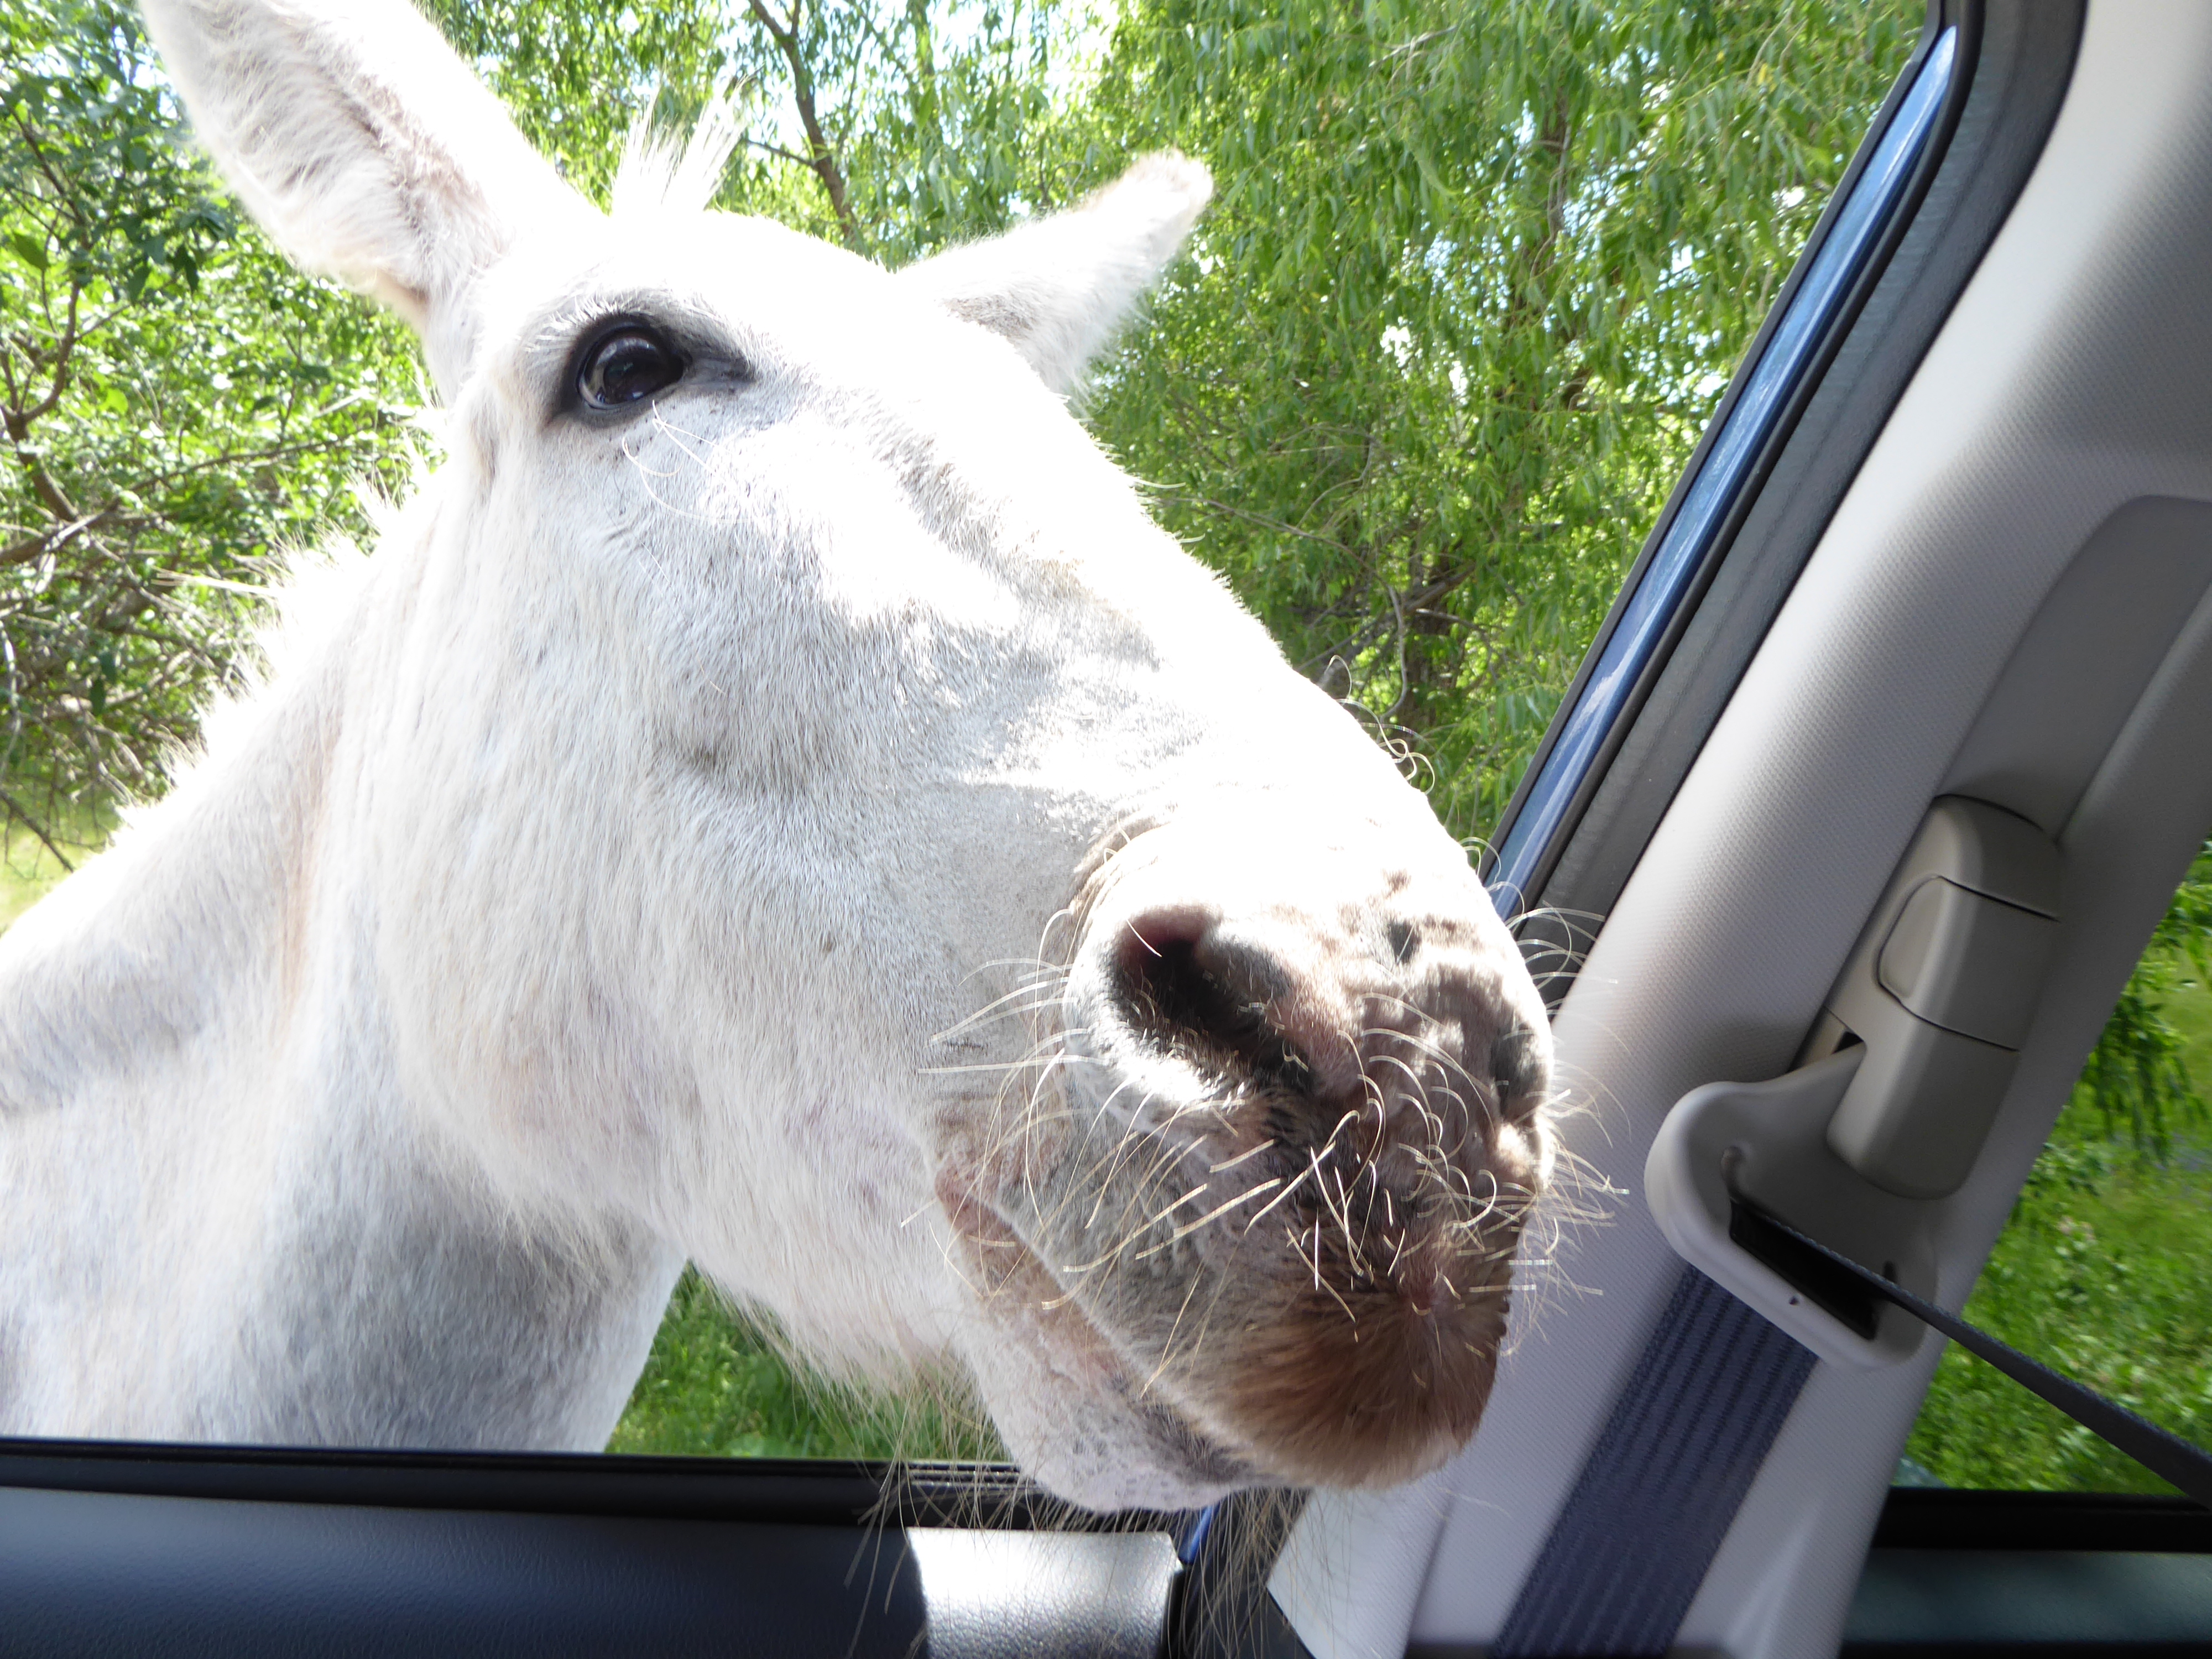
1516, 1063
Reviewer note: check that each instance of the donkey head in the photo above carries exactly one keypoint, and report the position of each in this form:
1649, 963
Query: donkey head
821, 820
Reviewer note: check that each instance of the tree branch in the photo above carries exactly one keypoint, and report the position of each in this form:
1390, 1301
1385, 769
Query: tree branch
767, 149
16, 809
823, 159
64, 350
53, 540
42, 481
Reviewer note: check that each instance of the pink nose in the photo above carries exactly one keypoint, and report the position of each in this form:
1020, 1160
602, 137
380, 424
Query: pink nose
1360, 1086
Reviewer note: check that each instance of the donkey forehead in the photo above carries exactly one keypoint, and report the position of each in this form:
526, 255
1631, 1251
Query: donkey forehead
786, 301
910, 452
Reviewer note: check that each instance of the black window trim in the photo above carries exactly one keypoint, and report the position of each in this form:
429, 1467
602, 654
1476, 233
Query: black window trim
1967, 18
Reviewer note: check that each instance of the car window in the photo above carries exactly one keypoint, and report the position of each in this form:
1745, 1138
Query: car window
1654, 599
1463, 306
2099, 1272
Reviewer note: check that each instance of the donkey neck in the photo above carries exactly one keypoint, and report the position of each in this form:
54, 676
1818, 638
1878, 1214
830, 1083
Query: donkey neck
287, 1248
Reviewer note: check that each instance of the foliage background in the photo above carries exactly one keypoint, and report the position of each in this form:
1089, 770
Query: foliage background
1474, 280
176, 402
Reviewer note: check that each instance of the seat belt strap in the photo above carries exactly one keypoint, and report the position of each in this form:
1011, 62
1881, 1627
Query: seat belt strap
1625, 1559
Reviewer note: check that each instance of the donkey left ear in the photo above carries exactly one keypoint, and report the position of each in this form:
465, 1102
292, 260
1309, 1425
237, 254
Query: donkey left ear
1058, 288
367, 146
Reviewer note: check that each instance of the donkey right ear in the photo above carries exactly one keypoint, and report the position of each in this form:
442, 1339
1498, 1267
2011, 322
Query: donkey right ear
1057, 288
365, 146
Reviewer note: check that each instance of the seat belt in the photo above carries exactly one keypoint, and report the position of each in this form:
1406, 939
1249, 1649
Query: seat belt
1659, 1490
1623, 1562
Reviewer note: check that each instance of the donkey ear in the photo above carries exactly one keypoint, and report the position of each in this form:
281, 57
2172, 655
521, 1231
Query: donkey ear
1058, 288
365, 146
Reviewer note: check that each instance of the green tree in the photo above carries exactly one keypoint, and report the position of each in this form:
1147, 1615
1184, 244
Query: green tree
896, 129
177, 405
1474, 280
577, 76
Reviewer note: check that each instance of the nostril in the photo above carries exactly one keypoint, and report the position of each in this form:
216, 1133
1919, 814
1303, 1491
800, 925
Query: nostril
1154, 937
1405, 939
1192, 994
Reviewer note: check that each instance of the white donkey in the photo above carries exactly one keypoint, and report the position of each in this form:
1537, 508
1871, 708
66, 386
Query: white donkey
637, 859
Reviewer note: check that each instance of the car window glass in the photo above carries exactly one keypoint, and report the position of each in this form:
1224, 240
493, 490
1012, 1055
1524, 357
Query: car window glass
2099, 1272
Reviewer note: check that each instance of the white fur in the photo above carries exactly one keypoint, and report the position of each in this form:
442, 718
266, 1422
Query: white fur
611, 868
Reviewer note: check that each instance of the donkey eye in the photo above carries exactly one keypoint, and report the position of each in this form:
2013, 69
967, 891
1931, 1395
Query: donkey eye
624, 365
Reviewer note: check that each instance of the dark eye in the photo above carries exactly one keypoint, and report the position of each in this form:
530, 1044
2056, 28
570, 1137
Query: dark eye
625, 364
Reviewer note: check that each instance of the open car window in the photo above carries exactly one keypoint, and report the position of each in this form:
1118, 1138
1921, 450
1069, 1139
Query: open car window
1452, 627
1833, 659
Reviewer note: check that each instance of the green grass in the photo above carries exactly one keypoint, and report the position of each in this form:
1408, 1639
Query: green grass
2102, 1272
2190, 1011
716, 1386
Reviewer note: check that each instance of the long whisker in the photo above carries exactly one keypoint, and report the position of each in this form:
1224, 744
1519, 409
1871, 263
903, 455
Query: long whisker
1214, 1214
1242, 1158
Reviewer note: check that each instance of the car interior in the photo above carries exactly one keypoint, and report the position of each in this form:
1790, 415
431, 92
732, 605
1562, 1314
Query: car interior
1836, 859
